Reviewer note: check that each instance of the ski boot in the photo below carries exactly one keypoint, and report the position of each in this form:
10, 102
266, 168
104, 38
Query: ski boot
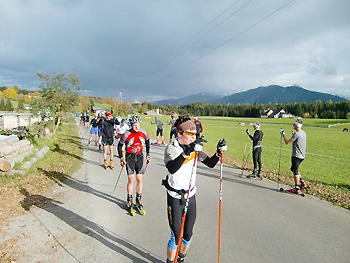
139, 205
181, 258
106, 164
130, 206
253, 175
294, 190
111, 164
259, 175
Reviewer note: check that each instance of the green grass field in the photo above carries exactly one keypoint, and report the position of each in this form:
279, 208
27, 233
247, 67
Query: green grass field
327, 159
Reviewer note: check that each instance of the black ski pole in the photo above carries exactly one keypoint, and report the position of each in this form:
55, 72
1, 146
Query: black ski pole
85, 133
243, 159
118, 179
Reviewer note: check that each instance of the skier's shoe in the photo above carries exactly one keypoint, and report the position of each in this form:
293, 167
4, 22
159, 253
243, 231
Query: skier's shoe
111, 164
139, 207
293, 191
130, 207
259, 175
181, 258
253, 175
106, 164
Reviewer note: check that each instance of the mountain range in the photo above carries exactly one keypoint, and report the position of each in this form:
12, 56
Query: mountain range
260, 95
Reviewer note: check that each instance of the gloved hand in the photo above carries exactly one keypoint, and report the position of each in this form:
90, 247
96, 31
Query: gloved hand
148, 159
122, 161
221, 146
282, 132
189, 148
201, 140
247, 131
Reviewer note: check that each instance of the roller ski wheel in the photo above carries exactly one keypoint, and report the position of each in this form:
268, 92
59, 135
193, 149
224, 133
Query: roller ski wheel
292, 191
140, 209
131, 209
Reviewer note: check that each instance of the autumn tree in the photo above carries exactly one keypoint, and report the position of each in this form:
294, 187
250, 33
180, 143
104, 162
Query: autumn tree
59, 95
15, 87
9, 94
26, 99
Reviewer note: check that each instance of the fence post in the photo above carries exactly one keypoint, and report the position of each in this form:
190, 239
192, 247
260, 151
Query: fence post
18, 120
2, 124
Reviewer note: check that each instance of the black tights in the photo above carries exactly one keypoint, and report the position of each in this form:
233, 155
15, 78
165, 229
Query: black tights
175, 211
257, 159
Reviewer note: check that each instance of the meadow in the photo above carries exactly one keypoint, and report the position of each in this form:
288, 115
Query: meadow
327, 157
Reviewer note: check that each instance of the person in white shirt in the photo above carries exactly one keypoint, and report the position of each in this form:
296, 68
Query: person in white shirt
179, 159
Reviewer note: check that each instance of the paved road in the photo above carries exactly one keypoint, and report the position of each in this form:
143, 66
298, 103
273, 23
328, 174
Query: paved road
86, 222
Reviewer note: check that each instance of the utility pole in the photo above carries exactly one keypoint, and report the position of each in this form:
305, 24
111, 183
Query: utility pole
120, 97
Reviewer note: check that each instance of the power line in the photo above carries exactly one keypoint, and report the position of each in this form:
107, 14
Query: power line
220, 23
183, 47
235, 36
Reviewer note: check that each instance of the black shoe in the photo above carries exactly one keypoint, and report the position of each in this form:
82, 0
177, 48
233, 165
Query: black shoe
181, 258
253, 175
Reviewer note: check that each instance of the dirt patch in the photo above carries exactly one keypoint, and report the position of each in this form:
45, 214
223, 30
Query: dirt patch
11, 207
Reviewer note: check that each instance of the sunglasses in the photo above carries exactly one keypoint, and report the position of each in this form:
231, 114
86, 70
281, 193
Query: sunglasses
189, 133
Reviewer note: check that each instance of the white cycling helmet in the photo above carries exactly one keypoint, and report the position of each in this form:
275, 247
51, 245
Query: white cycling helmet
134, 119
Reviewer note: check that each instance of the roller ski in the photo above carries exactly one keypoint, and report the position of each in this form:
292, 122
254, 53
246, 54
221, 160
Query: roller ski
255, 175
105, 164
294, 191
140, 209
111, 165
130, 207
139, 205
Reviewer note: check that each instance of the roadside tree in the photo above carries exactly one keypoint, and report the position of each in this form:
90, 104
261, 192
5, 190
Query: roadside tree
59, 95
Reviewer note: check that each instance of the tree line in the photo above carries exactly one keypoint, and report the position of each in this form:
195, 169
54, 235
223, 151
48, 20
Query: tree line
317, 109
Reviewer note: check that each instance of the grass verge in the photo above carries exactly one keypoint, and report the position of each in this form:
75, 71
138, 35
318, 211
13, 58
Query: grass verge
65, 156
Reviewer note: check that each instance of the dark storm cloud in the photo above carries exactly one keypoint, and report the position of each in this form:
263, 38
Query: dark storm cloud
127, 46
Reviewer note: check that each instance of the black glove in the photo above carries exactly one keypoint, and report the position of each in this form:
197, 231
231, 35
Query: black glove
221, 146
189, 148
200, 140
247, 131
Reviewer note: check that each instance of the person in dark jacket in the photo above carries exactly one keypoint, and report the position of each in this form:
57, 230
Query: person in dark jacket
256, 138
107, 129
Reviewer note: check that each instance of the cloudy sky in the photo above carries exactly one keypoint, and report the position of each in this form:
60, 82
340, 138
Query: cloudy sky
156, 49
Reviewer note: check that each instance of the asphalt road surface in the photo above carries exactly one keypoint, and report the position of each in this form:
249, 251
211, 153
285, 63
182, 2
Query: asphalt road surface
85, 221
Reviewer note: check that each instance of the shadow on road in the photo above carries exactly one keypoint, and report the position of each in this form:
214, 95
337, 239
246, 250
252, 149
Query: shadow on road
235, 181
62, 151
85, 226
61, 178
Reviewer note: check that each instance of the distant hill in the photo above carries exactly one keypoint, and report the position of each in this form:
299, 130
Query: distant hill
276, 94
200, 97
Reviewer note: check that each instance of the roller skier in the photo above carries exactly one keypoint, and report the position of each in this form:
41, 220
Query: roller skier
298, 141
107, 130
180, 161
256, 138
134, 139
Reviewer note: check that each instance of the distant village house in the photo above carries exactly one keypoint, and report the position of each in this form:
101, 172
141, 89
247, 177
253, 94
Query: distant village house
278, 113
